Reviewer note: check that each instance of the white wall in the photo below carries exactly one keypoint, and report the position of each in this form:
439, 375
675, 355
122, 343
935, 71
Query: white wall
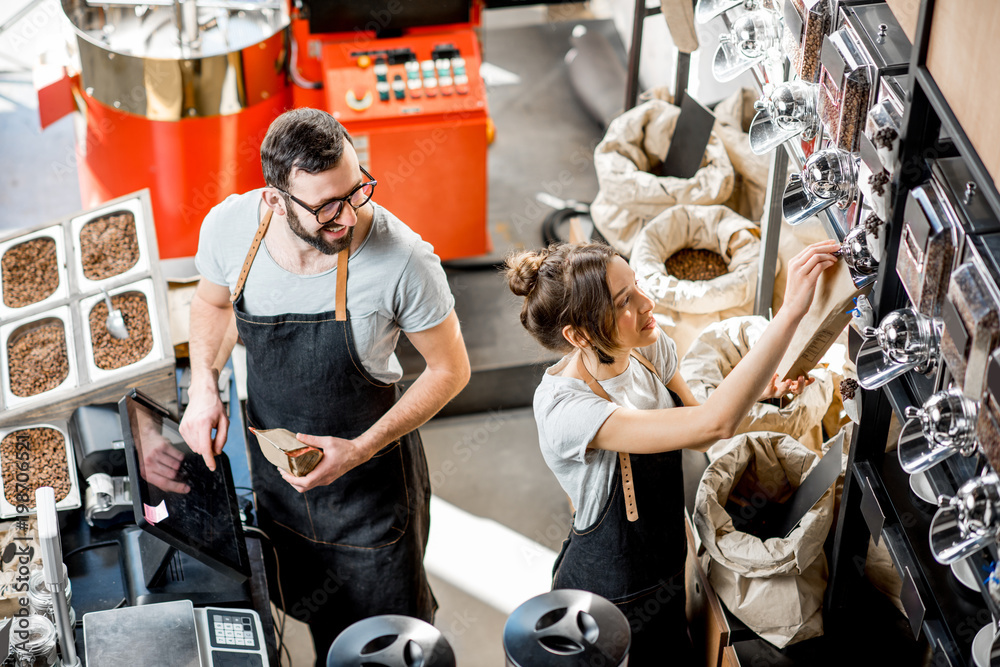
659, 55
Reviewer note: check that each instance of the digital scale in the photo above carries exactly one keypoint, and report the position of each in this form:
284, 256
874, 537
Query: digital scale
174, 634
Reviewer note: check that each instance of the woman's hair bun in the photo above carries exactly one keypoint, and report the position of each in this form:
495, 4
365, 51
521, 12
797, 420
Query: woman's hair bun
522, 270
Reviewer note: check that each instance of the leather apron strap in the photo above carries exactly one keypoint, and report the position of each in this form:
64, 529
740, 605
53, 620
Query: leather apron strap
258, 238
254, 247
628, 484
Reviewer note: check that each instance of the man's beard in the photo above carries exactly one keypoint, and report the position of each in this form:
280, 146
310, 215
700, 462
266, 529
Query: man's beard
317, 241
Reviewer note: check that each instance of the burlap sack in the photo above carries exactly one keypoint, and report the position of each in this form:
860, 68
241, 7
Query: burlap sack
685, 307
629, 195
733, 116
714, 354
774, 586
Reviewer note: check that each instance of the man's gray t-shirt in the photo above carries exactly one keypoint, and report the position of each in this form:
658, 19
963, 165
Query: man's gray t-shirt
569, 415
395, 281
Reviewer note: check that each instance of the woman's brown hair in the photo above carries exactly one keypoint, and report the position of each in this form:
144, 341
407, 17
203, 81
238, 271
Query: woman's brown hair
566, 284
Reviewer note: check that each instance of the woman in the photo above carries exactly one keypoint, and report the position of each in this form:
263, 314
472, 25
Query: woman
616, 393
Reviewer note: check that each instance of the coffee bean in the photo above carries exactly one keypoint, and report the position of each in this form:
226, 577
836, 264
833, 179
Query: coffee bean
696, 264
872, 224
878, 182
108, 245
111, 353
30, 272
848, 387
46, 462
885, 137
37, 360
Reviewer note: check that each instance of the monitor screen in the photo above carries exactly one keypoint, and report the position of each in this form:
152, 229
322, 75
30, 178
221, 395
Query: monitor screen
383, 17
175, 496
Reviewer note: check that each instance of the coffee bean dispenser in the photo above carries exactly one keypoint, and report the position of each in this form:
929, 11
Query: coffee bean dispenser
33, 272
44, 452
943, 426
885, 122
846, 79
754, 37
930, 242
971, 315
828, 177
706, 10
905, 340
807, 22
57, 353
968, 521
988, 421
789, 111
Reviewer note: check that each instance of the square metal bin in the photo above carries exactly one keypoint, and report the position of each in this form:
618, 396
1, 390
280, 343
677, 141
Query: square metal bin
138, 210
12, 330
72, 498
62, 290
158, 351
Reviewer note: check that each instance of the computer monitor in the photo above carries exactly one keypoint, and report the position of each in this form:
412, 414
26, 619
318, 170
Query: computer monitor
181, 505
385, 18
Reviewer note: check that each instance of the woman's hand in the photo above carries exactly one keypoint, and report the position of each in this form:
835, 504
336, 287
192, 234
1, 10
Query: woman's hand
803, 271
777, 388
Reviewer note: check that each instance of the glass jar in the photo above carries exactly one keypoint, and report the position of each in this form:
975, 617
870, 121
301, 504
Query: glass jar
33, 642
40, 598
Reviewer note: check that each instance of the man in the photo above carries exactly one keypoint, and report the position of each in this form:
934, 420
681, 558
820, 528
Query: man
319, 296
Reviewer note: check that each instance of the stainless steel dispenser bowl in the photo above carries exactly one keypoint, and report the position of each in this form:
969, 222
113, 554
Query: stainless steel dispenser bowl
905, 340
946, 424
966, 522
790, 110
828, 177
753, 37
858, 257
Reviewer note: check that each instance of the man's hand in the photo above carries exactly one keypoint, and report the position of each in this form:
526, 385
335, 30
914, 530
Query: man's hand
777, 388
339, 457
203, 413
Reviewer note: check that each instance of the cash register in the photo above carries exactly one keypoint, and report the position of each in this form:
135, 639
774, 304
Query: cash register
185, 563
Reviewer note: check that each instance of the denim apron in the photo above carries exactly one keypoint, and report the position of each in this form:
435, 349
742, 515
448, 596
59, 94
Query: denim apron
638, 565
354, 548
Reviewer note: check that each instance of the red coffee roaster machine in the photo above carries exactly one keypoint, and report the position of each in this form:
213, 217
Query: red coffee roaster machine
176, 96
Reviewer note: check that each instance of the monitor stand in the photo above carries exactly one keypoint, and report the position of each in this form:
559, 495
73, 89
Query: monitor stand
156, 572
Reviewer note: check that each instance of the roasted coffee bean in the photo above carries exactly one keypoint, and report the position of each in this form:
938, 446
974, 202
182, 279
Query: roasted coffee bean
853, 109
872, 224
38, 360
848, 387
695, 264
878, 182
816, 24
109, 246
885, 137
30, 272
111, 353
39, 453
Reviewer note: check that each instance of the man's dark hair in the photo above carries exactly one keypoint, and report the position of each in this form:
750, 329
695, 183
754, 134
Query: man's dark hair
308, 139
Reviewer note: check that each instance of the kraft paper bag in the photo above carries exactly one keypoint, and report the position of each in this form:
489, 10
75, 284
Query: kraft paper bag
774, 586
828, 316
283, 449
714, 354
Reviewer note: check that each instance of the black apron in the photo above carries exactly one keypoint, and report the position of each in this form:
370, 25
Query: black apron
354, 548
638, 565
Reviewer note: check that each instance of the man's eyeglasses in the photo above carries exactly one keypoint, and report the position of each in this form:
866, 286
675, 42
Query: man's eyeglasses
331, 210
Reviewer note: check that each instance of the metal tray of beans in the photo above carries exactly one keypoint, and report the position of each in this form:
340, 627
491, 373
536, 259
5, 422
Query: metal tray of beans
931, 242
39, 358
110, 245
33, 272
107, 356
32, 456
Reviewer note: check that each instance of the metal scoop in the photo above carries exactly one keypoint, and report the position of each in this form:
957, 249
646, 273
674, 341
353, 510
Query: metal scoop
116, 322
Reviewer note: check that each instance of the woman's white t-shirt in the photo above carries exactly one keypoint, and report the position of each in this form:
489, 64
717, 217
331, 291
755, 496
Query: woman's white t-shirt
568, 415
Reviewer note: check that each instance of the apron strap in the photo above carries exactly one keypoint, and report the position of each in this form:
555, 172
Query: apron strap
342, 284
254, 247
628, 484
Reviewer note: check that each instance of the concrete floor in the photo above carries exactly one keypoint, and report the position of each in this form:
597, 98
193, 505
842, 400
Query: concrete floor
499, 515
